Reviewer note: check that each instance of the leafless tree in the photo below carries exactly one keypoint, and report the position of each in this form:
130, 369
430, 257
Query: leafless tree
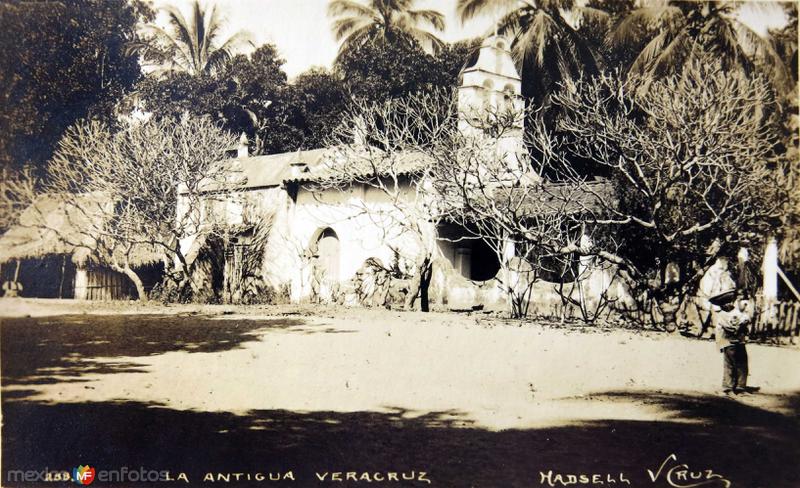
144, 187
690, 161
17, 190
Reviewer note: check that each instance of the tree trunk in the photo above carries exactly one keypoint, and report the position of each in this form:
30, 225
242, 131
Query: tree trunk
137, 282
181, 275
426, 272
413, 292
420, 285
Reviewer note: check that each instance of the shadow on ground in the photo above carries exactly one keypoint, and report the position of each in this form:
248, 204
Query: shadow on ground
53, 349
749, 446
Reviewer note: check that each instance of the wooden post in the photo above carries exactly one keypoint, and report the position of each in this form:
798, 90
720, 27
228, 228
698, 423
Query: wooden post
796, 329
61, 283
770, 283
79, 283
226, 271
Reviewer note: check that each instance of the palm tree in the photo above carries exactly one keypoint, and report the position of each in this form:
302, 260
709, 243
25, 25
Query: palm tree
785, 39
191, 46
385, 20
678, 31
545, 40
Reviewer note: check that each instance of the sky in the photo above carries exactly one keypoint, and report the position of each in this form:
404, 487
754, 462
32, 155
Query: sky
301, 29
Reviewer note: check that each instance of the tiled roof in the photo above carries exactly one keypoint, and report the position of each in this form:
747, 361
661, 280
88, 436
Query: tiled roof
319, 165
329, 169
274, 169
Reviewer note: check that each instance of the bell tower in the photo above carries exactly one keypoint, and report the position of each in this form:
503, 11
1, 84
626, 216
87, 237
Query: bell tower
491, 91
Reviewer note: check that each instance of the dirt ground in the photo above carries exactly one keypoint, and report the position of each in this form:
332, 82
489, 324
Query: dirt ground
470, 400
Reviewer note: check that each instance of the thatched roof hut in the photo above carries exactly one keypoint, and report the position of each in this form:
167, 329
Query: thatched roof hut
52, 225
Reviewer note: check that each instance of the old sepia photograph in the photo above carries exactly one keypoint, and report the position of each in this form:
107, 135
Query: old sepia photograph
378, 243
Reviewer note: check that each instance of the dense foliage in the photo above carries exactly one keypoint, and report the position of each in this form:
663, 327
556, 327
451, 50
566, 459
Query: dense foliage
60, 62
378, 70
248, 95
252, 95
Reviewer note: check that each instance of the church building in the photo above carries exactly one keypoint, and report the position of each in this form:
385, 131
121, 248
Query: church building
321, 238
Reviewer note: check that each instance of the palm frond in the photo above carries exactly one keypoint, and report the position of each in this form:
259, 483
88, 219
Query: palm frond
383, 19
357, 38
147, 50
343, 28
337, 8
513, 23
469, 9
189, 45
535, 38
562, 63
213, 22
660, 17
400, 4
582, 53
674, 54
211, 27
199, 24
649, 53
765, 8
172, 46
236, 41
594, 14
431, 17
427, 40
764, 50
216, 60
202, 20
182, 29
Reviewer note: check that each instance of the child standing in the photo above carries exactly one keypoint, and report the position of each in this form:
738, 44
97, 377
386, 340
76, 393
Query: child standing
732, 320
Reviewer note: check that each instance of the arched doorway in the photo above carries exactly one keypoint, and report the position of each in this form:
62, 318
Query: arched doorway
328, 255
